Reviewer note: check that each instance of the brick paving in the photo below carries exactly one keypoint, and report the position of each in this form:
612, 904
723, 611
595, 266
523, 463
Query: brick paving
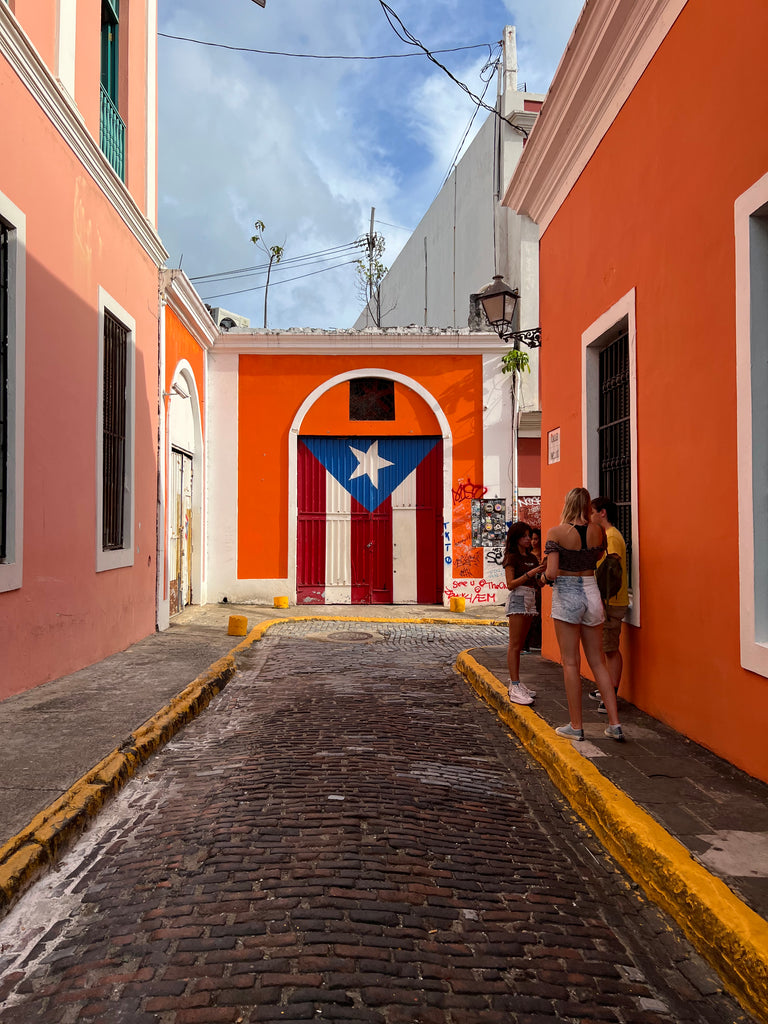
347, 834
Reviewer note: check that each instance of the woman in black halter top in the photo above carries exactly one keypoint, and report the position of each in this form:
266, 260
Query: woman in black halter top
573, 550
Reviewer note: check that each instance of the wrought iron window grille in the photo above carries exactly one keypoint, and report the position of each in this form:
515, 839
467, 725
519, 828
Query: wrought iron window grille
115, 409
615, 444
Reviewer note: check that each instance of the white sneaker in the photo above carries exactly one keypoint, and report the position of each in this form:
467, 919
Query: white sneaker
527, 689
518, 695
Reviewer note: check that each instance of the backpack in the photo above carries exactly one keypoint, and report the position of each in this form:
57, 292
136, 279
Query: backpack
609, 576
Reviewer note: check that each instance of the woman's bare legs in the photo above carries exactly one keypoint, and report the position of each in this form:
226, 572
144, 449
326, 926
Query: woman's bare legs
568, 636
591, 641
518, 631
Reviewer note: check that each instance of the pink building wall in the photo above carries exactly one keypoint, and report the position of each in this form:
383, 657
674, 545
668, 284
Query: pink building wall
66, 615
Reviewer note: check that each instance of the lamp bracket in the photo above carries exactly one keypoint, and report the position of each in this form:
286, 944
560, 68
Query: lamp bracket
531, 338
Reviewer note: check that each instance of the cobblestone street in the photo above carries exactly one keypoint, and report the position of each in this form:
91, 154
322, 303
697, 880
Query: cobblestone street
347, 834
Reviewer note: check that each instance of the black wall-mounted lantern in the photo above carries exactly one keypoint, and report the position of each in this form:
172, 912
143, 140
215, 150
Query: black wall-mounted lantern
499, 304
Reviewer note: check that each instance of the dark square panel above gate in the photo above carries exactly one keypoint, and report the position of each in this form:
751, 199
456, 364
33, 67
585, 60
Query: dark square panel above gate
371, 398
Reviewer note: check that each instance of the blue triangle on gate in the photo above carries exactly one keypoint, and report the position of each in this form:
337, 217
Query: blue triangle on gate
370, 468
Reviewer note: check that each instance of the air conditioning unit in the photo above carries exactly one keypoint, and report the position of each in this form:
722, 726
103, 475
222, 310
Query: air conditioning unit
225, 320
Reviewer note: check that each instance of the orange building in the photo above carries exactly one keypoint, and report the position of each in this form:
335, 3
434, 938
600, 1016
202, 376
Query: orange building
79, 260
648, 180
357, 467
187, 335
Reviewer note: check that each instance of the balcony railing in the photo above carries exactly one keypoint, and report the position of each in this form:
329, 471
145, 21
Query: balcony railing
112, 134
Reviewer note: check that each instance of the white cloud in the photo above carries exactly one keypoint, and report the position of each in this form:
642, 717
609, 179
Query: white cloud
543, 30
310, 146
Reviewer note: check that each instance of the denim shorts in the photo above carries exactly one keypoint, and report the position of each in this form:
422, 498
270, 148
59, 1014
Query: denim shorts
576, 599
521, 601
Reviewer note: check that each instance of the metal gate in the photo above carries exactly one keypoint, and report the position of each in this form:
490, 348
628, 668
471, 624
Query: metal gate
180, 588
370, 520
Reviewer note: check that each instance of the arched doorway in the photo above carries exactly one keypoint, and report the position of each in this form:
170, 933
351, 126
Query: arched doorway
370, 496
184, 491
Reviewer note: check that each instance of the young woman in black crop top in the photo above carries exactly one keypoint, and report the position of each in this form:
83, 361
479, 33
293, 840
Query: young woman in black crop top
572, 552
522, 570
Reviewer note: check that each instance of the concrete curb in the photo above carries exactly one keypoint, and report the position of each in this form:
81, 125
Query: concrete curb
41, 843
731, 937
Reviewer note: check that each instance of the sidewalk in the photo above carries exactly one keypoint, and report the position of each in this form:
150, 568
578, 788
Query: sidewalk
717, 812
688, 827
674, 802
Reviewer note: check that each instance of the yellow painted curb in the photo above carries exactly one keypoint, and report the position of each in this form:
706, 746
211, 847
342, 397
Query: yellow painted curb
40, 843
725, 931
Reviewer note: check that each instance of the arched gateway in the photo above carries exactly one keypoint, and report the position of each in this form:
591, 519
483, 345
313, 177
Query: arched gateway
370, 493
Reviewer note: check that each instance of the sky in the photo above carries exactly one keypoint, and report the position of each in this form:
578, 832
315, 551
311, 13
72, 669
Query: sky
309, 146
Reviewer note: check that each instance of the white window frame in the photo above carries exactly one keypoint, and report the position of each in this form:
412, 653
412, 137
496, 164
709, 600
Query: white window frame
594, 339
124, 556
11, 568
751, 230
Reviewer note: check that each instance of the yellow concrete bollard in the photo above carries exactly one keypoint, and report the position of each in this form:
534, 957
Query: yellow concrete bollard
238, 625
281, 602
458, 604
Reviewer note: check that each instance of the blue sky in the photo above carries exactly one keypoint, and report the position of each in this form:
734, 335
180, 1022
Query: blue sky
309, 146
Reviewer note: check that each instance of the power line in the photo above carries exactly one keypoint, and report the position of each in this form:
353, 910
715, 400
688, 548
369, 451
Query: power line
492, 65
258, 287
398, 226
405, 36
312, 56
318, 256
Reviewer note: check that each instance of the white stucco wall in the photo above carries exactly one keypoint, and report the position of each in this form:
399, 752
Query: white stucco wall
455, 251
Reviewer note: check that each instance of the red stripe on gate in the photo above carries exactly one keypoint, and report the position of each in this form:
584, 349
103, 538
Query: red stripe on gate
310, 534
360, 536
429, 527
382, 562
371, 554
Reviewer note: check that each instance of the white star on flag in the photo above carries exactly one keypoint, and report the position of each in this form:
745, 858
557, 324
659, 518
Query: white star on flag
369, 463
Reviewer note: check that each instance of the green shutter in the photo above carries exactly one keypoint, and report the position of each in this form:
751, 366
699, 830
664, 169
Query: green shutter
109, 48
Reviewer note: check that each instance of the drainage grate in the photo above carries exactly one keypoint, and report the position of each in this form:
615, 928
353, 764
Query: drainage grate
347, 636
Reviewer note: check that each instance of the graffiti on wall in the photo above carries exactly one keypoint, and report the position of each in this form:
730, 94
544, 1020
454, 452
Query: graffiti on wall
468, 491
494, 556
467, 559
529, 510
478, 591
493, 569
474, 544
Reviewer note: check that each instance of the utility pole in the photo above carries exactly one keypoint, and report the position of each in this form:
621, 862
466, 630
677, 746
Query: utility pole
371, 246
370, 270
373, 293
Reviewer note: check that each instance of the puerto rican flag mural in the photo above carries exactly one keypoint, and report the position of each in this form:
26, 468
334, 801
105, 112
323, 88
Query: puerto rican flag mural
370, 520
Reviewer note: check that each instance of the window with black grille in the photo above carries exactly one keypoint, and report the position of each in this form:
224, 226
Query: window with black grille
4, 388
614, 434
114, 432
371, 398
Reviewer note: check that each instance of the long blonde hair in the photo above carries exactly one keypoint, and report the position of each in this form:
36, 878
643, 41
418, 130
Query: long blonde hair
578, 505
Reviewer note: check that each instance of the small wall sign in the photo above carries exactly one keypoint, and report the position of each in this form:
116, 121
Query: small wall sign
553, 446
